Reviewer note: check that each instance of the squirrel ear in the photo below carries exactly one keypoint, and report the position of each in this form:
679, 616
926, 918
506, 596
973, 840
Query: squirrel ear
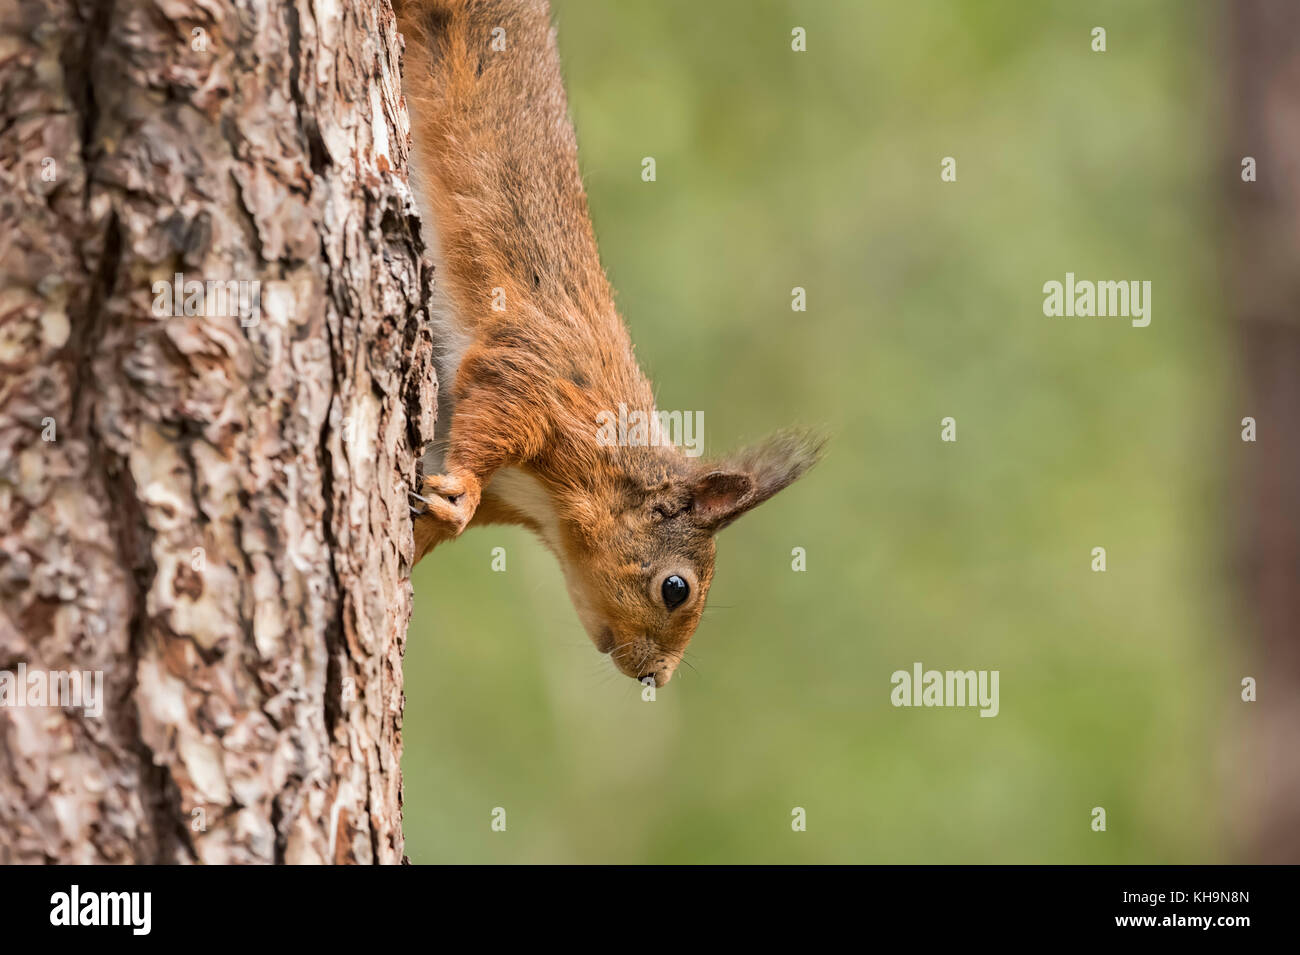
749, 478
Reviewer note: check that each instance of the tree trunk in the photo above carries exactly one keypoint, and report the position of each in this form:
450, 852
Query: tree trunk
206, 504
1264, 266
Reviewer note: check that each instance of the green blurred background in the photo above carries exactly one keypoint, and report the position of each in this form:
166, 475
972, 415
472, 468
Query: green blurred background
821, 169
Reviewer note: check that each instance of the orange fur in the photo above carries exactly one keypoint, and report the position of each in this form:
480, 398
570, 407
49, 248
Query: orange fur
496, 164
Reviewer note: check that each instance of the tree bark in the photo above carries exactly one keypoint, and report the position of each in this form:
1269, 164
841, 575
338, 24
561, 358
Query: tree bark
1264, 270
209, 509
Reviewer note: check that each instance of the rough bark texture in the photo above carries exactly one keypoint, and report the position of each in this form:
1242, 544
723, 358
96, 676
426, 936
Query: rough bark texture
219, 523
1264, 265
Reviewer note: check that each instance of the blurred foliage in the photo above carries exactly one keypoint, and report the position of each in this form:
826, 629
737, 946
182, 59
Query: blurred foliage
821, 169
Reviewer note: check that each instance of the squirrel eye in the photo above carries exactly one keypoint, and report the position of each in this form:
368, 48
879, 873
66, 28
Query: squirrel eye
675, 591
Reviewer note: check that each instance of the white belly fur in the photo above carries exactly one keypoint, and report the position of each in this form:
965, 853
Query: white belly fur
528, 496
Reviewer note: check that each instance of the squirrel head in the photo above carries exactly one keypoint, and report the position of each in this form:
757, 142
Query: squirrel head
638, 557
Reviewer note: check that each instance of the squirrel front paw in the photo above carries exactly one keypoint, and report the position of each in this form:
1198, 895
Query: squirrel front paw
443, 508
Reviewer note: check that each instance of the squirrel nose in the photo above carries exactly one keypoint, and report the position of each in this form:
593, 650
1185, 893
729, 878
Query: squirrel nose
656, 677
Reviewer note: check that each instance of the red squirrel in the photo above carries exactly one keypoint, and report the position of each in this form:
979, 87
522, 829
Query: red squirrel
533, 349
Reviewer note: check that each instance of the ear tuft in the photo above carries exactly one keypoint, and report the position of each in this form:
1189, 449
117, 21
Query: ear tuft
750, 477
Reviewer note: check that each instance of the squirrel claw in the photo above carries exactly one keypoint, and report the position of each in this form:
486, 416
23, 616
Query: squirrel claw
450, 503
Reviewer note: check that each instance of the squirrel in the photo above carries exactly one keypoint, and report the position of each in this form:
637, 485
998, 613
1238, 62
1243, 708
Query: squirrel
494, 170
